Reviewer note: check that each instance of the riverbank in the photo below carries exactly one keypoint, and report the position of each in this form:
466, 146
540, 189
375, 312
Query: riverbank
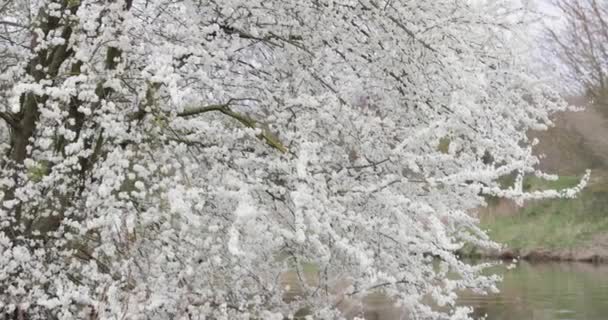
592, 253
557, 229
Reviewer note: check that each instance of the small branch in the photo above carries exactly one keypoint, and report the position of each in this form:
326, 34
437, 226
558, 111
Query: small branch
265, 135
291, 39
412, 34
11, 24
372, 164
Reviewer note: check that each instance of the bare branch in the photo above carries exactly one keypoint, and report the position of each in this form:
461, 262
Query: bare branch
581, 44
12, 24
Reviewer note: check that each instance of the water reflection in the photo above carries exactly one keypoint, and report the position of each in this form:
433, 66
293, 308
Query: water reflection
546, 291
531, 291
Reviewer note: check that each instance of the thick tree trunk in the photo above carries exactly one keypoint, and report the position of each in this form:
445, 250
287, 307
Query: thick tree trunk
26, 121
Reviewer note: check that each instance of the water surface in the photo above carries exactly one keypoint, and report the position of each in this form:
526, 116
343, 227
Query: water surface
530, 291
546, 291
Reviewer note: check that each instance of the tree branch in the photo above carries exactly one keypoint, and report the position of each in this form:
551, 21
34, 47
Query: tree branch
245, 120
12, 24
9, 120
199, 110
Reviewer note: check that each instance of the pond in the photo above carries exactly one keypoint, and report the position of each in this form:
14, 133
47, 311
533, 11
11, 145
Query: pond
531, 291
546, 291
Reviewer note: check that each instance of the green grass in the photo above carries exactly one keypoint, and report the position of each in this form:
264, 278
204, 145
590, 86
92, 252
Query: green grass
563, 182
555, 223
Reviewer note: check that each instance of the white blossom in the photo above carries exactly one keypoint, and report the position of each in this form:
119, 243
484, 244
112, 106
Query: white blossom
170, 159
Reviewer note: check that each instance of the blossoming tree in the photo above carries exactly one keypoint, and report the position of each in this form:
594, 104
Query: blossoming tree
176, 159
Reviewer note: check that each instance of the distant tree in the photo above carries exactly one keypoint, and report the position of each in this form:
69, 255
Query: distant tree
177, 159
580, 43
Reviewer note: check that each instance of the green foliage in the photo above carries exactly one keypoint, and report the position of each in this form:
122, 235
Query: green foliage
444, 145
73, 3
553, 224
563, 182
38, 171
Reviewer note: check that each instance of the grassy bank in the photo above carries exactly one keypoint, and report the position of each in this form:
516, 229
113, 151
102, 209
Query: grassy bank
558, 224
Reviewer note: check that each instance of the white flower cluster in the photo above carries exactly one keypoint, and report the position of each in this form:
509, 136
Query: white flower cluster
204, 159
